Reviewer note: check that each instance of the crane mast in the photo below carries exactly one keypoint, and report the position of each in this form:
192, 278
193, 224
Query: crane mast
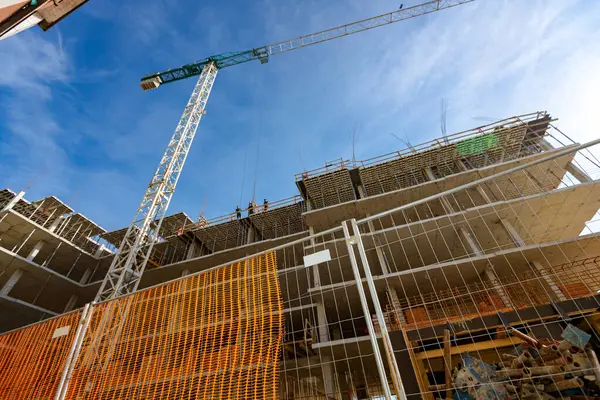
126, 269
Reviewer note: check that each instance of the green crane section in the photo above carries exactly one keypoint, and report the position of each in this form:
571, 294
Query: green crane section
262, 54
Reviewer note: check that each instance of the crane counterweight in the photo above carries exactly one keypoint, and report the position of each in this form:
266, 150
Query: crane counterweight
150, 83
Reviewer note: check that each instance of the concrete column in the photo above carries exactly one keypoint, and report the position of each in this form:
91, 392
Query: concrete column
445, 203
536, 264
378, 250
489, 270
311, 232
328, 378
361, 192
549, 281
71, 303
99, 250
351, 388
191, 253
315, 269
479, 188
13, 201
12, 281
322, 322
483, 194
573, 169
35, 251
323, 330
578, 173
86, 276
250, 235
497, 285
471, 245
393, 295
512, 232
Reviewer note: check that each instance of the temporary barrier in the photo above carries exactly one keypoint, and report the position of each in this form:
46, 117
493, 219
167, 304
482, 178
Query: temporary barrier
215, 335
32, 358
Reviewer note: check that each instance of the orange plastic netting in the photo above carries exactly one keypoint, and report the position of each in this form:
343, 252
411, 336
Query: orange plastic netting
32, 358
216, 335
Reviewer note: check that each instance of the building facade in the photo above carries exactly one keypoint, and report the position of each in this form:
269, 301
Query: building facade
389, 272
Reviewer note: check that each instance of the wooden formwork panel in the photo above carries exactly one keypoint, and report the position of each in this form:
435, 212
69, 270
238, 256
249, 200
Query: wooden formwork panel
279, 222
330, 188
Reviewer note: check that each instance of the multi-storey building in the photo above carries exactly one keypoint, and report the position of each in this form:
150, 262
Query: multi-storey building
455, 241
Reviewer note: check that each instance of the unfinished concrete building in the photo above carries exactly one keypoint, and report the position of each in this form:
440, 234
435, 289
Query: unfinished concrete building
393, 276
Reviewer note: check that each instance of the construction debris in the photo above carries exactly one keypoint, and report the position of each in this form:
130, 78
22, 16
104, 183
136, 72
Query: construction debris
537, 369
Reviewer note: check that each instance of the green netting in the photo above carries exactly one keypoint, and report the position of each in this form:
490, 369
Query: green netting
477, 144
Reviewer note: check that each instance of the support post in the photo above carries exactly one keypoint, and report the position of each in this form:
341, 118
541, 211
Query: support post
448, 364
396, 304
191, 252
350, 242
387, 343
489, 270
86, 276
12, 281
99, 250
512, 232
71, 303
445, 203
573, 169
49, 259
322, 322
35, 251
536, 264
13, 201
84, 322
380, 256
549, 281
250, 235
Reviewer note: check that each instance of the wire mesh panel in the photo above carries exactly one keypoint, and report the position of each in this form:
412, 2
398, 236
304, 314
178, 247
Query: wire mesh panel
32, 359
215, 335
491, 291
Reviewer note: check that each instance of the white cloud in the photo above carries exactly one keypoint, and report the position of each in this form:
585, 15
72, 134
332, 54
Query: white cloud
32, 144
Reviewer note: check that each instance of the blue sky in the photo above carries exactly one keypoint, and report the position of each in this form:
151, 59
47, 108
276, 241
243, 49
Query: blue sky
74, 122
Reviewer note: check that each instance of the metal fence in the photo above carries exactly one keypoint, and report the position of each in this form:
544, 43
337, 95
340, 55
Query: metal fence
485, 287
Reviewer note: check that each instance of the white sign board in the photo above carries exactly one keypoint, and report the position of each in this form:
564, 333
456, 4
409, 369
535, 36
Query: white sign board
62, 331
317, 258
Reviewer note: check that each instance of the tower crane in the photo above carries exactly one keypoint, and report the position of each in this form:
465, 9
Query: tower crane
126, 269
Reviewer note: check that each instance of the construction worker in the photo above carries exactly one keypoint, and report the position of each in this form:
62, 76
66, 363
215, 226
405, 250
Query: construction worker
251, 207
238, 212
265, 205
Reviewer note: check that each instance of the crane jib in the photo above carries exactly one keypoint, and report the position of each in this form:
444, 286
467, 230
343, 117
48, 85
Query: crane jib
262, 54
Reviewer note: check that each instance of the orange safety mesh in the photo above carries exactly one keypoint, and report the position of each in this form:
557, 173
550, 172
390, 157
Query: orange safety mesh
32, 358
215, 335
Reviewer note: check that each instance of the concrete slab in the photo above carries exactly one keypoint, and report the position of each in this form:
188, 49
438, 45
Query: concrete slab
173, 271
63, 254
326, 217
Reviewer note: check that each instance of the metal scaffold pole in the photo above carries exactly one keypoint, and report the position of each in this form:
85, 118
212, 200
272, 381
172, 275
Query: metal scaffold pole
387, 343
350, 242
